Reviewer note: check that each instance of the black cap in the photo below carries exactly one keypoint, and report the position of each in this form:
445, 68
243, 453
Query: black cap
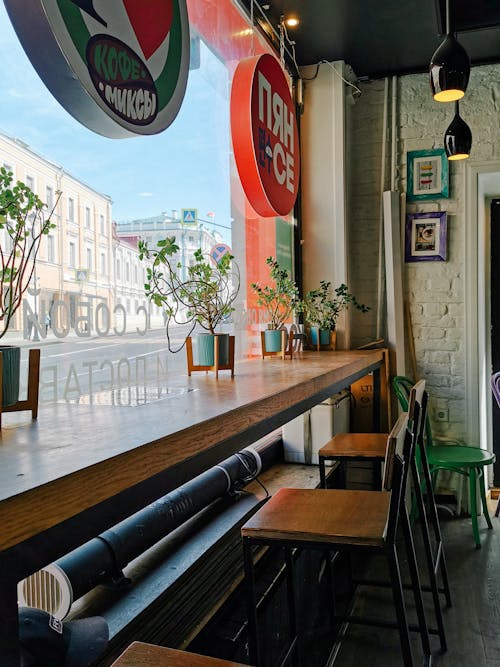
45, 641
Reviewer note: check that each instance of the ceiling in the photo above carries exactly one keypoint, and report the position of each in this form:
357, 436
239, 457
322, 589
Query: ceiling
385, 37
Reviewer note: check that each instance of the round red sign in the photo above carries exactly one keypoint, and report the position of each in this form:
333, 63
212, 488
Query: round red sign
265, 135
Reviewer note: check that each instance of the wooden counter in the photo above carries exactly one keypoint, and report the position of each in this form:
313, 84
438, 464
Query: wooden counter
80, 469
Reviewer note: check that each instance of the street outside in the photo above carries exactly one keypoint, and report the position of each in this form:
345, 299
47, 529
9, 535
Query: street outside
129, 369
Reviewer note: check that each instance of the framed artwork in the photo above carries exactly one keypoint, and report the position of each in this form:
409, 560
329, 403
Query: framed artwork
427, 173
426, 236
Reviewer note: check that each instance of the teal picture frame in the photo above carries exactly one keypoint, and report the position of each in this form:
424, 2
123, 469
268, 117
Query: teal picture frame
427, 175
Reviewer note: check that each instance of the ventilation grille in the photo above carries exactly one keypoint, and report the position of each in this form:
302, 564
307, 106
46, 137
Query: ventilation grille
48, 589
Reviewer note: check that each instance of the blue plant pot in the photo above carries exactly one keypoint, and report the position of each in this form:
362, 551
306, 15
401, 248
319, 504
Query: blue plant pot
204, 350
322, 334
272, 340
11, 364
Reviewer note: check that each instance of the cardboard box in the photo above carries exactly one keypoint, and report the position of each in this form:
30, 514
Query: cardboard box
362, 405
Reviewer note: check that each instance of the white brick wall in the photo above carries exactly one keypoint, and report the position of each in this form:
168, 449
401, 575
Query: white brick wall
434, 290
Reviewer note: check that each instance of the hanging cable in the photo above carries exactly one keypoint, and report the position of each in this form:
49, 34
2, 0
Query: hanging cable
349, 83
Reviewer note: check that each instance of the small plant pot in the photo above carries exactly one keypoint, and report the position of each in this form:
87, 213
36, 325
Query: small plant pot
321, 336
204, 351
11, 368
272, 340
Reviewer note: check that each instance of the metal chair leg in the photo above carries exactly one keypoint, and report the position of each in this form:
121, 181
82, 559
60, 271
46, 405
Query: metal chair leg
397, 592
483, 498
253, 642
473, 507
416, 587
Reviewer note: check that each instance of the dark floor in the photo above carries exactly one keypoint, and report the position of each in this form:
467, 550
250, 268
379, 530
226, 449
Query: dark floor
473, 622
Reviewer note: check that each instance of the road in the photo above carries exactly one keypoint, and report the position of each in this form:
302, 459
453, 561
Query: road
111, 370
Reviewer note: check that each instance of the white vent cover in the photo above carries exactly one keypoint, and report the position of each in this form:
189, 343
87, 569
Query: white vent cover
48, 589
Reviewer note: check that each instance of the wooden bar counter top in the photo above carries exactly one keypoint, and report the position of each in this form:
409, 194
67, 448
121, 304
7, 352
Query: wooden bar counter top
75, 457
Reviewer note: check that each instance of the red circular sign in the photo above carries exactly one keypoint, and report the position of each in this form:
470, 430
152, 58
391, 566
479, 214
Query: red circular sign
265, 135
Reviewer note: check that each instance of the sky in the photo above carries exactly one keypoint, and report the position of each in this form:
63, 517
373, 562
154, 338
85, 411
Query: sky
186, 166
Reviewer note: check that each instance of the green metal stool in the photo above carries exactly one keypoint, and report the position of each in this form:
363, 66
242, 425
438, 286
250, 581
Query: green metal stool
467, 461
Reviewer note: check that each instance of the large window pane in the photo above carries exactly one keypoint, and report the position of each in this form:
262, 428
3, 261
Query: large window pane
89, 278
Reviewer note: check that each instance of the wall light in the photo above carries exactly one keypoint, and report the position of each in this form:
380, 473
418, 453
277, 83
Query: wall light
292, 21
449, 68
458, 138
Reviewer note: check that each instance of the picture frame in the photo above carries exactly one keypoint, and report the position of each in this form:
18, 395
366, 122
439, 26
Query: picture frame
426, 237
427, 175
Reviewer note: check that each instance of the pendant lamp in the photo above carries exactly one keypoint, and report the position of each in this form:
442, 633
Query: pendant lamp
449, 68
457, 138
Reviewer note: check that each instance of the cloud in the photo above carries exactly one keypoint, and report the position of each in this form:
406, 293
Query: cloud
146, 194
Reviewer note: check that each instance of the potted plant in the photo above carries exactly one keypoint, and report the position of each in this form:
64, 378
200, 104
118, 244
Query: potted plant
279, 301
321, 308
201, 293
24, 220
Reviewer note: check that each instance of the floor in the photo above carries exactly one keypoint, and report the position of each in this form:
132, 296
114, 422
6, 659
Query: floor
472, 623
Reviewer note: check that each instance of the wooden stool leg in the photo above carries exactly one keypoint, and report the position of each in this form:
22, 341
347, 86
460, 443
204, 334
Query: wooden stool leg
33, 382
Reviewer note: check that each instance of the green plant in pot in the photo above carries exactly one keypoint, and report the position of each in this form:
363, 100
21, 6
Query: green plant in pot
322, 306
24, 220
201, 294
279, 300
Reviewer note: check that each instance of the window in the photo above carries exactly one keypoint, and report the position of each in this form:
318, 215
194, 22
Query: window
134, 175
49, 197
30, 182
50, 249
71, 209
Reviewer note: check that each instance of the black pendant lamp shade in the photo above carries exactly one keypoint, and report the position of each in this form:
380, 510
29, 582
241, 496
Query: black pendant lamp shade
449, 68
458, 138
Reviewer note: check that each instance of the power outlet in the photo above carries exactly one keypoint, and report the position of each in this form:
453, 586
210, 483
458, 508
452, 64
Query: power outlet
442, 415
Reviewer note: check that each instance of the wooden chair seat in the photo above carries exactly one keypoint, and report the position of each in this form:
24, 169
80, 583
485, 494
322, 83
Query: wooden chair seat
365, 445
148, 655
322, 516
345, 447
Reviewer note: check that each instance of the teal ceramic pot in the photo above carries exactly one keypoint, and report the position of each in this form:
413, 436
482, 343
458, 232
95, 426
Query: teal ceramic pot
204, 350
272, 340
323, 334
11, 363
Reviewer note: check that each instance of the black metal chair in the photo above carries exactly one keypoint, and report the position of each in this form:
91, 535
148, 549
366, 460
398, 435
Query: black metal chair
362, 522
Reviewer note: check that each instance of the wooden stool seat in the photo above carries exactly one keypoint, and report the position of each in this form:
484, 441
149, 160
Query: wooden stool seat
354, 445
148, 655
344, 447
322, 516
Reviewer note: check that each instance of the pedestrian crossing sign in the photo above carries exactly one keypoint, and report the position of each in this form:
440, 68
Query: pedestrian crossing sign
189, 216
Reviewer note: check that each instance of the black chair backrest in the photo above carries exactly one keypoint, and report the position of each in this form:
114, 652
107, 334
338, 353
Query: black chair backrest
398, 454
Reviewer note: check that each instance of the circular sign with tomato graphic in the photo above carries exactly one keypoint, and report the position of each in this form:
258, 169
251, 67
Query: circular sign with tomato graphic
120, 67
